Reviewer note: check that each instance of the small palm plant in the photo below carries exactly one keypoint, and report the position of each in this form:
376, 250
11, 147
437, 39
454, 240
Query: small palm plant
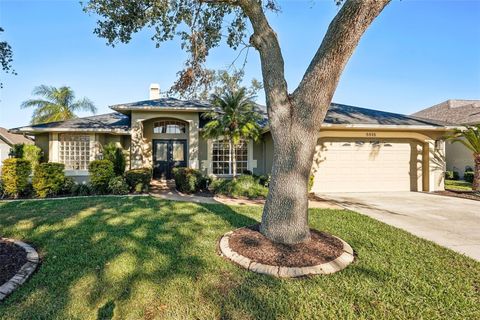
470, 138
56, 104
235, 119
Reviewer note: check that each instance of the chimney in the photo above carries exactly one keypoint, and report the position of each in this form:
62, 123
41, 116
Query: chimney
154, 91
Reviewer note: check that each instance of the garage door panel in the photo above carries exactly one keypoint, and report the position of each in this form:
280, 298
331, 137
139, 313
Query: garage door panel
363, 165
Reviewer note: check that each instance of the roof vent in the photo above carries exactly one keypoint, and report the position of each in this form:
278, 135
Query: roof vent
154, 91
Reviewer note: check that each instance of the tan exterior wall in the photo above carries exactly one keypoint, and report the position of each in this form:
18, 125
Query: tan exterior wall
458, 157
42, 142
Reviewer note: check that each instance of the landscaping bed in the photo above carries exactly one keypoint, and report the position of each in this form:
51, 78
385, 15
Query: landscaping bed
321, 248
472, 195
12, 258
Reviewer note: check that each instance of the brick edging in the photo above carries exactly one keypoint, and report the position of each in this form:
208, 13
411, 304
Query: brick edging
333, 266
25, 271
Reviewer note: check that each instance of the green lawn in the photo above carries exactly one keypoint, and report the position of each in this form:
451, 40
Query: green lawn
458, 185
143, 258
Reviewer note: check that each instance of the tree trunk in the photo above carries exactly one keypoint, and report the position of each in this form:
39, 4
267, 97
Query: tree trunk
476, 177
285, 215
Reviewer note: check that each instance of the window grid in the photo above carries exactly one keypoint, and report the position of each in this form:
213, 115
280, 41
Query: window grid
74, 151
222, 157
169, 126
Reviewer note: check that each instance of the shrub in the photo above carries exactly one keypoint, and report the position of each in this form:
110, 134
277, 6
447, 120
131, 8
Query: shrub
188, 180
15, 173
118, 185
48, 179
242, 186
264, 180
139, 179
28, 152
33, 154
311, 179
81, 189
116, 156
452, 175
101, 172
468, 176
16, 151
68, 185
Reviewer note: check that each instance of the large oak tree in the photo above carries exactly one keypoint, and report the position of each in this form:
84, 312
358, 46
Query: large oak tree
295, 116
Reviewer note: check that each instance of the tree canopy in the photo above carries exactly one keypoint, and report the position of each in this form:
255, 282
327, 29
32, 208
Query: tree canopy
58, 104
6, 57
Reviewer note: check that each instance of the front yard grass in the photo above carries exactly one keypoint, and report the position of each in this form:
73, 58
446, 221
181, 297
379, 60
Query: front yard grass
459, 185
144, 258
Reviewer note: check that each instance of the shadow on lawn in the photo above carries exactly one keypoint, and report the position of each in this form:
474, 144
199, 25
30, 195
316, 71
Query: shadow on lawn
99, 248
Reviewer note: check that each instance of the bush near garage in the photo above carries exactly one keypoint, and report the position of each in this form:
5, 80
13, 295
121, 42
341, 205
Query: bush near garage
468, 176
101, 172
48, 179
139, 179
244, 186
15, 174
452, 175
188, 180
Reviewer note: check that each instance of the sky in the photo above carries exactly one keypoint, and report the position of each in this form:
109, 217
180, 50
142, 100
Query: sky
416, 54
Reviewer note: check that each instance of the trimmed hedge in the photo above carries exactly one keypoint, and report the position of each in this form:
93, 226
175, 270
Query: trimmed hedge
452, 175
188, 180
468, 176
139, 179
15, 173
48, 179
101, 172
118, 185
116, 156
244, 186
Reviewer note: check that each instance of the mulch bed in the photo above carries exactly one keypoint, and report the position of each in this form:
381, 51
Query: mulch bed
249, 242
472, 195
12, 258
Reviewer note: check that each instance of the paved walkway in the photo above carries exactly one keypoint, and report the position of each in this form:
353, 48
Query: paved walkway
451, 222
166, 190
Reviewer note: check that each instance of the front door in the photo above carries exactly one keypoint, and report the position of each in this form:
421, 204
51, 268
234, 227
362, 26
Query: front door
168, 154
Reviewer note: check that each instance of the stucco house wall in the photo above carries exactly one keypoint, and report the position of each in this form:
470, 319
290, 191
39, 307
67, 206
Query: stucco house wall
459, 157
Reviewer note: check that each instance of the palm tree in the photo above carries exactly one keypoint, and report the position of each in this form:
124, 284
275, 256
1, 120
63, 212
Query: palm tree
58, 104
470, 138
235, 118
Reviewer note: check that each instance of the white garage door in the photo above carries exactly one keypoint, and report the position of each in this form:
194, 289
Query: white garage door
362, 166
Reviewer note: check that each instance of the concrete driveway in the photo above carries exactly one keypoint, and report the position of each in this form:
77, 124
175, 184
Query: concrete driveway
451, 222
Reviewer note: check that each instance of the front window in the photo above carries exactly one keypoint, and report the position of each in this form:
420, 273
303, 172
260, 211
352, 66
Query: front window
222, 156
74, 151
169, 126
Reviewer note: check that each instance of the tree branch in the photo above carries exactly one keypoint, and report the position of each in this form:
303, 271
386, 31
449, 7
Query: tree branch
265, 40
314, 93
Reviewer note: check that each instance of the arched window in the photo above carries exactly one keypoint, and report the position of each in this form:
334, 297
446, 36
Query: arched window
169, 126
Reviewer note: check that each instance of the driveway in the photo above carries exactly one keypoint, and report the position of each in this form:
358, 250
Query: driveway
451, 222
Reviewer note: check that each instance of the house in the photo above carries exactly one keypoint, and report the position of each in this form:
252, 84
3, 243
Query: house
358, 150
456, 112
7, 140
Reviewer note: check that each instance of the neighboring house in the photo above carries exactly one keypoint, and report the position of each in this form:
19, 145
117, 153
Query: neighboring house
358, 150
456, 112
7, 140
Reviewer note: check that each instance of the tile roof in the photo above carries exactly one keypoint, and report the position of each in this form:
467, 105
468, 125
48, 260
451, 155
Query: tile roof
338, 114
12, 138
459, 112
341, 114
167, 103
116, 122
